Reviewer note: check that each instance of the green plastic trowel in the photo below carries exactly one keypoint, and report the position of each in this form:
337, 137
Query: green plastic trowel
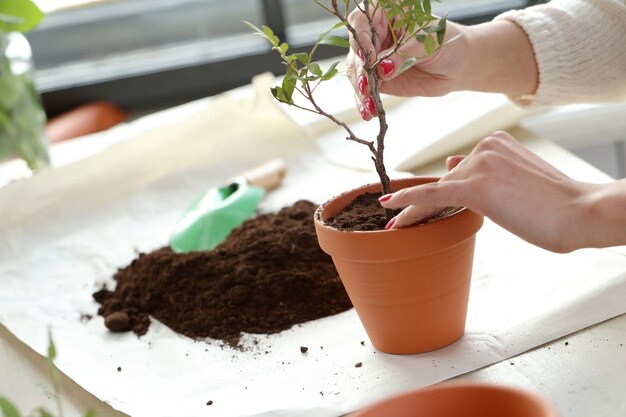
212, 216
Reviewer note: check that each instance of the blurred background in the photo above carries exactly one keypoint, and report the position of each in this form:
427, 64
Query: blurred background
148, 55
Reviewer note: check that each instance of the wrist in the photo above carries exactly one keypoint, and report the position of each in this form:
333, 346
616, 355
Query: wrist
603, 215
500, 59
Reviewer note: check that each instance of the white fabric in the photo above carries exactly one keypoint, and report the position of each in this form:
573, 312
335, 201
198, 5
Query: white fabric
65, 232
580, 48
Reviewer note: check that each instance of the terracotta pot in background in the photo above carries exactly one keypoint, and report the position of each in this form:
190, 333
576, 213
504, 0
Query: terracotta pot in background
462, 400
409, 286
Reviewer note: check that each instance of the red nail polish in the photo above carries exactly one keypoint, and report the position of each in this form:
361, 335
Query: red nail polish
360, 55
390, 224
384, 198
387, 66
362, 111
363, 84
368, 102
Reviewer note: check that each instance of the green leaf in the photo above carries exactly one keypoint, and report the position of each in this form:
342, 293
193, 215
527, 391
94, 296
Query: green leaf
332, 71
255, 29
315, 69
270, 36
442, 29
8, 409
420, 38
335, 41
44, 413
327, 31
52, 351
397, 25
303, 57
283, 47
289, 84
407, 64
90, 413
52, 354
429, 45
427, 8
279, 94
24, 15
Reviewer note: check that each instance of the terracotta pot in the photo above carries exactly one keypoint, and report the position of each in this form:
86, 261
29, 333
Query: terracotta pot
409, 286
462, 399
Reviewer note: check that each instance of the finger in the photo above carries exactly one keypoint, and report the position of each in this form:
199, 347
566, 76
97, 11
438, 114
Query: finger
365, 115
414, 215
389, 66
453, 161
435, 194
362, 46
358, 79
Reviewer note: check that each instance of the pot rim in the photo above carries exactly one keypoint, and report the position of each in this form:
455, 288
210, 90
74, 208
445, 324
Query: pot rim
418, 240
546, 407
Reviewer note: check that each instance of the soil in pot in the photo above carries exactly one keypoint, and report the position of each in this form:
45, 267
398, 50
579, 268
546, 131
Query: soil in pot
269, 275
365, 214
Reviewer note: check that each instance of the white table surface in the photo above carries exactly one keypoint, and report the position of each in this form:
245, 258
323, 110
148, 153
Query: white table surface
582, 374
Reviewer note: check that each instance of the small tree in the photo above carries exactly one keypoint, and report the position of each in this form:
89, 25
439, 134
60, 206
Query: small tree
406, 19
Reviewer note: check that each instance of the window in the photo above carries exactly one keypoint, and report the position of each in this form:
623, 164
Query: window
148, 54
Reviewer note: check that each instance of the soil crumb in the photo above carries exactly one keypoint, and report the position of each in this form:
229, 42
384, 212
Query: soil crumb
267, 276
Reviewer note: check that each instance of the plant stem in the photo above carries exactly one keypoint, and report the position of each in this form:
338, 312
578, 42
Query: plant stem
372, 77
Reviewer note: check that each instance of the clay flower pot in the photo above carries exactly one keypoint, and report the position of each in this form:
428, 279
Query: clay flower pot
409, 286
462, 399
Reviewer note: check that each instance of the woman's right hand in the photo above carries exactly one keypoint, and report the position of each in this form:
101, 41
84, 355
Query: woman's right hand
503, 180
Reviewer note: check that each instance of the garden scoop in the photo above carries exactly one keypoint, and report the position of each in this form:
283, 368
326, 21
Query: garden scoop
212, 216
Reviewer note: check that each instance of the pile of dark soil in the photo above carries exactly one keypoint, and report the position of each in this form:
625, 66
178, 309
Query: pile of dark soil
269, 275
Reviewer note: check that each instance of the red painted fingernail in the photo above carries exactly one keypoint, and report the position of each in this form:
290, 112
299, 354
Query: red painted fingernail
360, 55
384, 198
390, 224
363, 84
387, 66
362, 111
368, 102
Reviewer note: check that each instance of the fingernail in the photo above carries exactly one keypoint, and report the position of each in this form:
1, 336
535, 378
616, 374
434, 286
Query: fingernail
368, 102
362, 111
363, 84
360, 55
384, 198
390, 224
387, 66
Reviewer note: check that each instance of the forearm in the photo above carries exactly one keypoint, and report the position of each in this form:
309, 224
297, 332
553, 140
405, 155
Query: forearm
500, 59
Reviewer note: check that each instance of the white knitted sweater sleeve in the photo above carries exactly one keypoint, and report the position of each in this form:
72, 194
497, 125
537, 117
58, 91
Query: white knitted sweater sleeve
580, 48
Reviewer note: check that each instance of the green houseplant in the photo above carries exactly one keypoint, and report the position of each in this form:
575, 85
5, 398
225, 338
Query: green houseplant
22, 119
410, 287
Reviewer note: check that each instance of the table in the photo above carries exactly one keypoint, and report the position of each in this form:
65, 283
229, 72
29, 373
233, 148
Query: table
581, 373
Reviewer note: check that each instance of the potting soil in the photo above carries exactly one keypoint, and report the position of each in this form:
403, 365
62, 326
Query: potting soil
267, 276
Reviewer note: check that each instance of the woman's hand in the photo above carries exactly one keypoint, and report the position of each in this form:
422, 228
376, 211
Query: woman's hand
504, 181
430, 76
492, 57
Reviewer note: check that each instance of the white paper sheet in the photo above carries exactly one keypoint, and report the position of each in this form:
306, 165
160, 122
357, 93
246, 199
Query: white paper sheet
65, 233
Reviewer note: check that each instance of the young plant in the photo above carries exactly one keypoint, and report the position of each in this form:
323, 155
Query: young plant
406, 19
